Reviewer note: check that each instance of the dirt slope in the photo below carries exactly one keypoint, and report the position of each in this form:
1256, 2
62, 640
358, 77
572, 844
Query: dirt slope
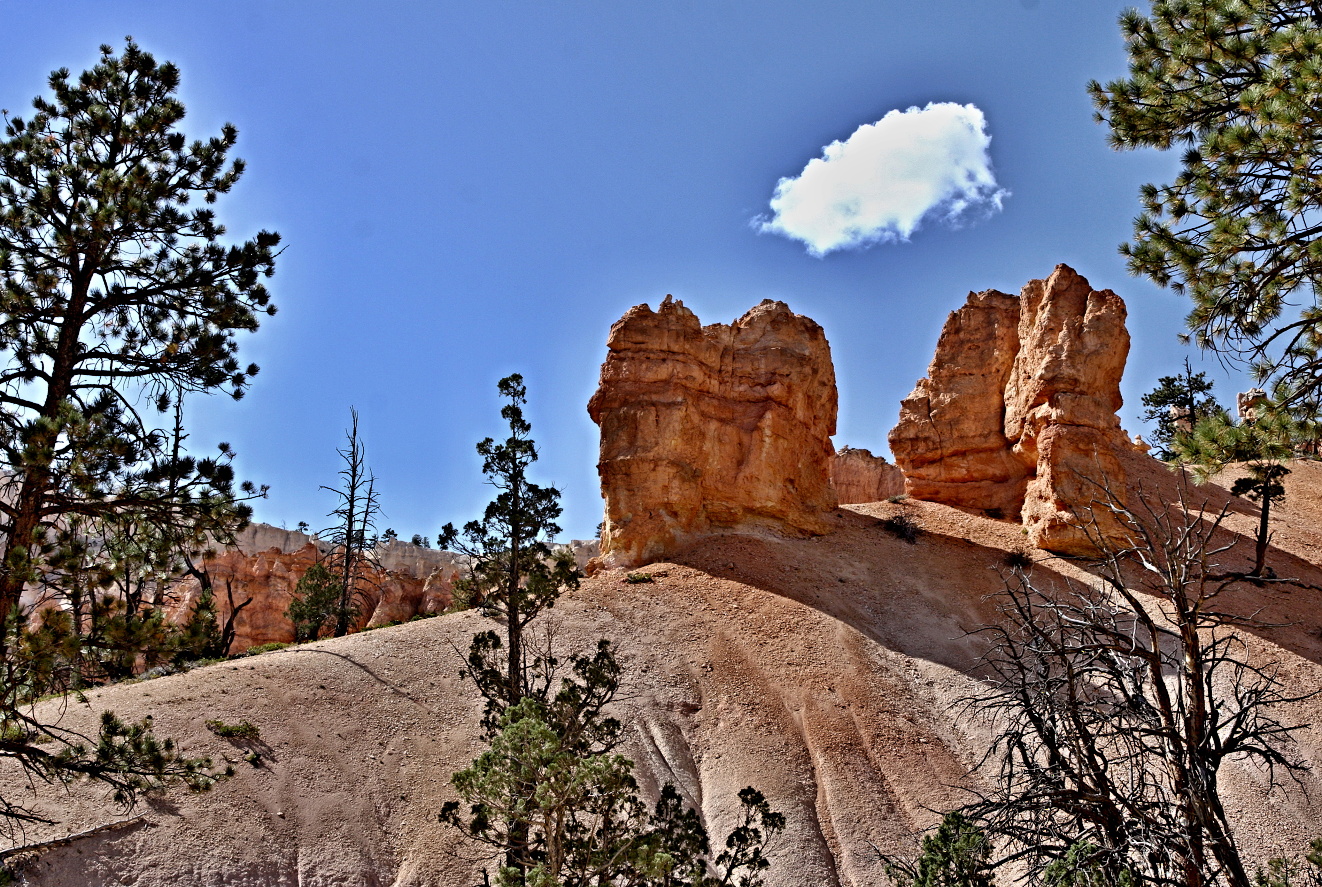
825, 672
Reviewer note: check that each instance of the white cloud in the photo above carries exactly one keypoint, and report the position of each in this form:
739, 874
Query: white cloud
887, 178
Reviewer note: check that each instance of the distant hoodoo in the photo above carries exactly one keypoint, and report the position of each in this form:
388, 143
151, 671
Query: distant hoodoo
708, 429
1017, 415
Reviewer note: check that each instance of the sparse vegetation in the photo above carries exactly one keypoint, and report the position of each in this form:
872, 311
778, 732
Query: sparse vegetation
1176, 405
902, 527
243, 730
638, 578
1262, 446
1018, 560
265, 648
955, 855
352, 558
550, 796
1116, 717
1283, 872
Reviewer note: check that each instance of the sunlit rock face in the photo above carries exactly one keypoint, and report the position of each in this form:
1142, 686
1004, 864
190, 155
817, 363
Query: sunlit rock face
1061, 405
858, 476
264, 567
1017, 416
950, 441
709, 429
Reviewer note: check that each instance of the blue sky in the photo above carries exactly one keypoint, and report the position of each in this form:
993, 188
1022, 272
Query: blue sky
470, 189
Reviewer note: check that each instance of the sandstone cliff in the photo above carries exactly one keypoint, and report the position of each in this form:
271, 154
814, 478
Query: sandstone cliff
712, 428
266, 563
858, 476
1017, 416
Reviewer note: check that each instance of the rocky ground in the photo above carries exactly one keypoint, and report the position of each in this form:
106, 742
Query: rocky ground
826, 671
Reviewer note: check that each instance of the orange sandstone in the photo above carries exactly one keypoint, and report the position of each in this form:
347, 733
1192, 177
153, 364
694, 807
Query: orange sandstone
708, 429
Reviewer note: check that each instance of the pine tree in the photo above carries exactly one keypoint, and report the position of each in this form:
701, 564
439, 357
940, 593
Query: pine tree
955, 855
1236, 82
118, 294
513, 573
1262, 446
563, 808
1178, 402
114, 295
550, 795
316, 604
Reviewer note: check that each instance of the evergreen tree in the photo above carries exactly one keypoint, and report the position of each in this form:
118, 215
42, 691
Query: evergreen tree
1236, 82
551, 796
1182, 400
117, 295
513, 573
316, 604
201, 636
1262, 446
955, 855
114, 295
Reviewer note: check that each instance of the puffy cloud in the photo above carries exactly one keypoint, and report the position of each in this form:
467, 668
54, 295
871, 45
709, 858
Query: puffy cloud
887, 178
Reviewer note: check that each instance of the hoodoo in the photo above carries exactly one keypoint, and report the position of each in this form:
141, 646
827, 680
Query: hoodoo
1017, 416
708, 429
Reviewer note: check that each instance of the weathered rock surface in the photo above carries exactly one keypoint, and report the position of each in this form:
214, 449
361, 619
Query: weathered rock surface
858, 476
1248, 402
950, 441
1018, 413
706, 429
832, 674
1061, 403
412, 581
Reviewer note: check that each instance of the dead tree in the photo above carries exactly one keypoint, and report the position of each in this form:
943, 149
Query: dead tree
1119, 700
352, 558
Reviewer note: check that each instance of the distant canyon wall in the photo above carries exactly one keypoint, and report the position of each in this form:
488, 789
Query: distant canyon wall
266, 563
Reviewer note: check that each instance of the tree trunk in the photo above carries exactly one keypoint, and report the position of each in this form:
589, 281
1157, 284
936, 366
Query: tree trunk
1260, 558
32, 492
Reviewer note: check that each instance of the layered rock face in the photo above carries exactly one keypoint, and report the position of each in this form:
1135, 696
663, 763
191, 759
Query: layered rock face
950, 441
411, 582
1017, 416
712, 428
858, 476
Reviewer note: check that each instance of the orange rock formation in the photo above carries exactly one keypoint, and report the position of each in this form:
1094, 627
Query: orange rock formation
858, 476
712, 428
270, 576
1018, 413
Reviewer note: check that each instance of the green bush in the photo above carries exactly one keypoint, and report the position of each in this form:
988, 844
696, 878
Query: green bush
954, 856
242, 730
316, 603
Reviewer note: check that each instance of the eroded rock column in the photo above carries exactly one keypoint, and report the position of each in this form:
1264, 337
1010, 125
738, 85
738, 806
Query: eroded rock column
715, 428
950, 441
1017, 415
